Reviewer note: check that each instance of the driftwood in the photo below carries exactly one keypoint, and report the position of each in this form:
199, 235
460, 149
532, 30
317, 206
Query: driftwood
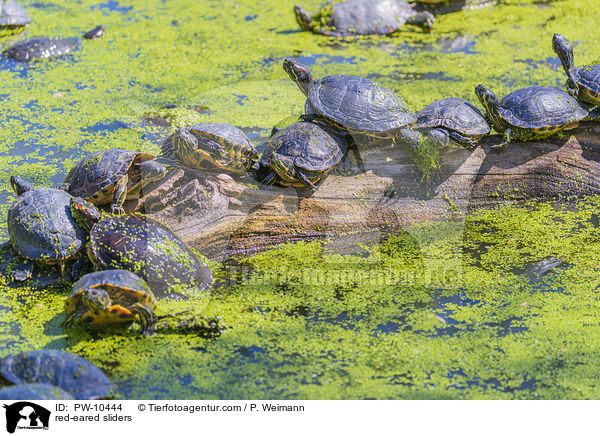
221, 216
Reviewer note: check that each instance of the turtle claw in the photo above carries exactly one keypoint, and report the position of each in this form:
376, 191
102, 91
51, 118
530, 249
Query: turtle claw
118, 210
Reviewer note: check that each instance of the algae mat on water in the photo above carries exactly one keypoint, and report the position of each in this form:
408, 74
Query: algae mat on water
513, 312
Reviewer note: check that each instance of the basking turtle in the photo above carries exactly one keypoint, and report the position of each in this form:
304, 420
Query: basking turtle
453, 120
531, 113
362, 17
300, 155
112, 176
111, 297
13, 17
354, 104
41, 48
143, 246
583, 82
73, 374
34, 391
41, 227
210, 147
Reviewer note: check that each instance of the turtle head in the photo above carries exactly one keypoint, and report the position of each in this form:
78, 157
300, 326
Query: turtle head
85, 213
20, 185
489, 101
299, 73
151, 171
563, 48
95, 298
303, 18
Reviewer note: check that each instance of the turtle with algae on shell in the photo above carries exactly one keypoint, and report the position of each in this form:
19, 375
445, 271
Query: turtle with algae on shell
111, 297
362, 17
209, 147
34, 391
143, 246
69, 372
531, 113
112, 176
13, 17
41, 228
41, 48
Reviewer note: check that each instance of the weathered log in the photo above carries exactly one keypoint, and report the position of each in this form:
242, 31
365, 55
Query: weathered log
221, 216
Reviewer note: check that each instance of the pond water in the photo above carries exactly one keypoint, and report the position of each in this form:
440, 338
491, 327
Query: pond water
515, 311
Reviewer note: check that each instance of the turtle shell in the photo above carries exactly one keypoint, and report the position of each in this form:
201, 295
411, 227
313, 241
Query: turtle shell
539, 107
227, 147
308, 146
94, 177
34, 391
13, 14
359, 105
151, 251
73, 374
41, 48
41, 227
455, 114
364, 17
124, 288
588, 78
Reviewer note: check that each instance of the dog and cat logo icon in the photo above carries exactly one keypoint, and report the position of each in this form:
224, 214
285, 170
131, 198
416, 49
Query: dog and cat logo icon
26, 415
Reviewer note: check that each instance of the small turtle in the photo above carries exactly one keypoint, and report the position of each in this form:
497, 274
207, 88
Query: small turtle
41, 48
41, 227
73, 374
300, 155
112, 176
209, 146
143, 246
583, 83
453, 120
13, 17
34, 391
531, 113
362, 17
111, 297
354, 104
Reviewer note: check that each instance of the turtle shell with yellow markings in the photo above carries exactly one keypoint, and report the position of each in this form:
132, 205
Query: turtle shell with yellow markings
111, 297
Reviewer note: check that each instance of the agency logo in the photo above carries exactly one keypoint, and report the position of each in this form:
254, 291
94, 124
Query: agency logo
26, 415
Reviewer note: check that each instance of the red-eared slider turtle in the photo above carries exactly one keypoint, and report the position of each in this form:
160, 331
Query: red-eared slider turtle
111, 297
73, 374
210, 147
583, 82
143, 246
531, 113
34, 391
300, 155
453, 120
41, 227
354, 104
41, 48
13, 17
361, 17
112, 176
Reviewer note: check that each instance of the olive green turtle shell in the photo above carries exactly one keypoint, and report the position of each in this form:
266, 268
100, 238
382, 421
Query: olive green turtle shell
455, 114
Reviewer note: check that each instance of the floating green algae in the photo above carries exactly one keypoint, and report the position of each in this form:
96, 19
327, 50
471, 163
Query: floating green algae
442, 310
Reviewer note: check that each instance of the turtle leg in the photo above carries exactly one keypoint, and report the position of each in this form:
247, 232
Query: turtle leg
302, 177
169, 162
422, 19
147, 318
73, 318
120, 195
352, 146
508, 136
23, 270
